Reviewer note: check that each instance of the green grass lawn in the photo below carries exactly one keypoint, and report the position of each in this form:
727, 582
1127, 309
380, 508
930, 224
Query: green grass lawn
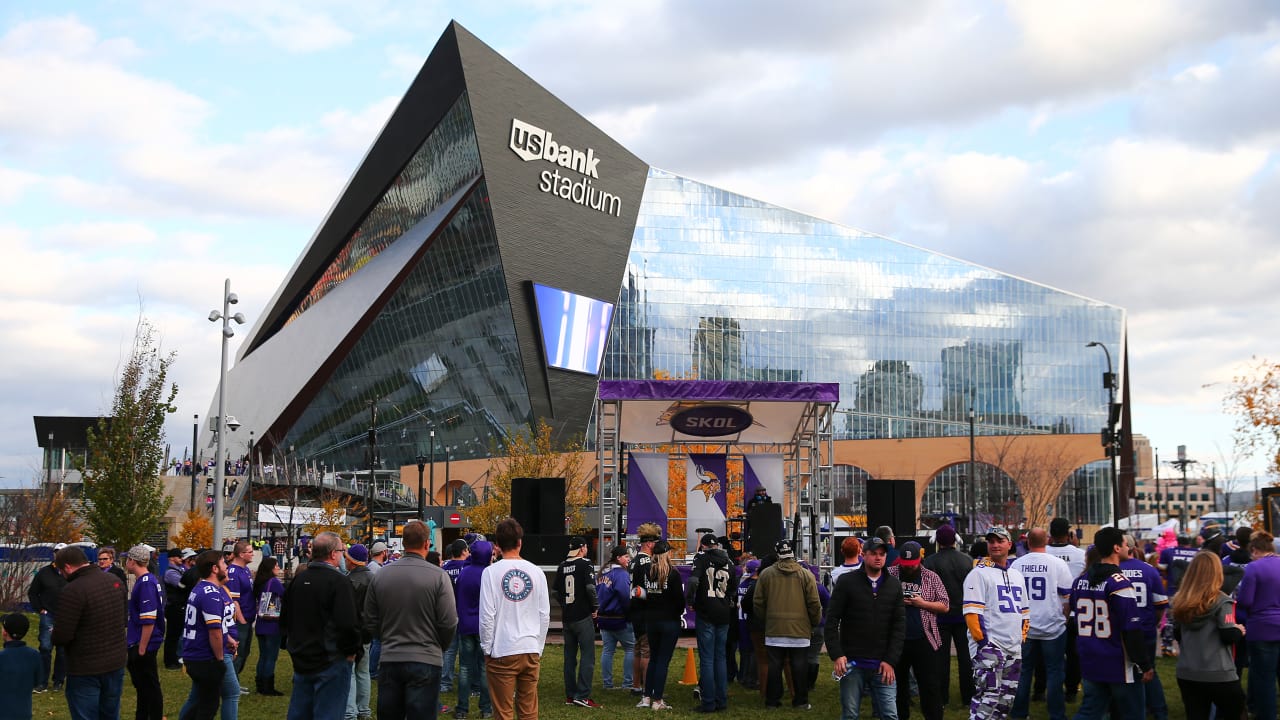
743, 704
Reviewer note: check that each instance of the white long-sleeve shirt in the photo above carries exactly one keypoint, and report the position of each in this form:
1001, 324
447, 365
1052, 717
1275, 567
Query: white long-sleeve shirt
515, 609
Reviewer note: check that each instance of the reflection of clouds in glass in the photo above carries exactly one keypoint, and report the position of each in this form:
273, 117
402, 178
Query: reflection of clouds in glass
821, 302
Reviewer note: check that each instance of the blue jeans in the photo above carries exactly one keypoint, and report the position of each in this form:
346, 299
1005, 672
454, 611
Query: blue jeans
1129, 699
471, 672
57, 664
230, 689
321, 695
579, 657
268, 652
1154, 691
713, 673
1264, 656
375, 651
1054, 653
95, 697
244, 633
610, 639
358, 695
663, 635
408, 690
884, 695
450, 659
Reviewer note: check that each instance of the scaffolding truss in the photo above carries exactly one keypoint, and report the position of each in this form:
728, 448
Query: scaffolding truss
634, 417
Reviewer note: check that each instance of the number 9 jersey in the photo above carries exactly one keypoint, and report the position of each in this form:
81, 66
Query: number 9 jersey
1104, 609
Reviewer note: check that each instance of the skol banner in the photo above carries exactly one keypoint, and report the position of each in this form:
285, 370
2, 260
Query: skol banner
646, 490
707, 477
762, 471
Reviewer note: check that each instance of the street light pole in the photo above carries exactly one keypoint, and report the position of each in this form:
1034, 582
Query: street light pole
1110, 433
432, 487
422, 466
973, 472
228, 299
248, 492
373, 457
195, 438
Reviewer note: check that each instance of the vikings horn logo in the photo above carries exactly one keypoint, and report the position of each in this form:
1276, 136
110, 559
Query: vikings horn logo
707, 483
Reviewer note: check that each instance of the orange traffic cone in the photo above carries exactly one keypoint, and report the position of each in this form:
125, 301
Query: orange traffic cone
690, 669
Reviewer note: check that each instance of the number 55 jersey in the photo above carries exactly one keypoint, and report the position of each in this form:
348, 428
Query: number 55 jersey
1104, 608
997, 596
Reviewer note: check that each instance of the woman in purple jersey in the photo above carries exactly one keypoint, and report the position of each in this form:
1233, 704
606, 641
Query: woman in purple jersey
1206, 629
268, 595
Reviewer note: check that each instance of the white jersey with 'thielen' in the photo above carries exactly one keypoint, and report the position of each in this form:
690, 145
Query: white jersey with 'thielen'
1048, 581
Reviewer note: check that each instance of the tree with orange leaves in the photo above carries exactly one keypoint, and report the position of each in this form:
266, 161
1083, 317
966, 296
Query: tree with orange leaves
1254, 399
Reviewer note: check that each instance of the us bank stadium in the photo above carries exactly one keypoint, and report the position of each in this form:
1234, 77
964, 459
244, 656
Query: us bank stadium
495, 258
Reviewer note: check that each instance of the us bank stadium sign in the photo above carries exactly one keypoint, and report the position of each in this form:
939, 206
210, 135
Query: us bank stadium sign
575, 169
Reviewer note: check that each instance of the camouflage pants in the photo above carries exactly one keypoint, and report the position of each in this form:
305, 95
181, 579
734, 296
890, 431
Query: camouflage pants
995, 683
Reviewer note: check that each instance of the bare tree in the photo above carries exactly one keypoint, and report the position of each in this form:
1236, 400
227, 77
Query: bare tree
1038, 469
1231, 479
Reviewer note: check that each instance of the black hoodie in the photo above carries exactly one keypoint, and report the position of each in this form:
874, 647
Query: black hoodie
712, 587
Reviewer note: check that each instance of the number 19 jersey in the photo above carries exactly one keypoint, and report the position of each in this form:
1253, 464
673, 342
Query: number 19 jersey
1103, 611
998, 596
1048, 582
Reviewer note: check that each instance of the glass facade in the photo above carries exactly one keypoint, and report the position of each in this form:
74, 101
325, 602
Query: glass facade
443, 164
441, 355
720, 286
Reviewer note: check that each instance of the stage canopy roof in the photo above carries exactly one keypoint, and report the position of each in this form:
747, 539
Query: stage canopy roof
719, 411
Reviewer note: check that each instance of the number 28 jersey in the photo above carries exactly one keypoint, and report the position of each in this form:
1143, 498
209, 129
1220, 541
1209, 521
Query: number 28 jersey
1103, 609
999, 597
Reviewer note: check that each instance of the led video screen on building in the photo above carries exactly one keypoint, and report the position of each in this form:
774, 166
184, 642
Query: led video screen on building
574, 328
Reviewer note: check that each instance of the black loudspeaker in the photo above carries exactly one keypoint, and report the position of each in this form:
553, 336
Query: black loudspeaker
764, 528
538, 505
545, 549
1271, 510
892, 503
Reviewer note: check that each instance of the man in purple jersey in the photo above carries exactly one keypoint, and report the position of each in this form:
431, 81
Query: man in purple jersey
240, 585
1114, 661
206, 636
144, 634
1148, 589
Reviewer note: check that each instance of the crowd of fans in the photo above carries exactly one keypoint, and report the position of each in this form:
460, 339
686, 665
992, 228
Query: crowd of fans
1037, 619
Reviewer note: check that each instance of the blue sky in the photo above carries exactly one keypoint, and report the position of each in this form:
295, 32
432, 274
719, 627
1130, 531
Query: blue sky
1122, 152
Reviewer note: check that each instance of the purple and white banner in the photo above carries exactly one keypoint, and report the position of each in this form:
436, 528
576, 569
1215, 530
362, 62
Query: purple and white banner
707, 478
646, 490
763, 470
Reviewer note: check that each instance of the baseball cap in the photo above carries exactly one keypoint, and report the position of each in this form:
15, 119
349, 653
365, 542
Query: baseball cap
359, 553
752, 566
709, 540
378, 547
909, 554
946, 535
783, 549
874, 543
188, 553
661, 547
618, 551
576, 543
998, 532
1210, 531
139, 554
173, 553
17, 625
